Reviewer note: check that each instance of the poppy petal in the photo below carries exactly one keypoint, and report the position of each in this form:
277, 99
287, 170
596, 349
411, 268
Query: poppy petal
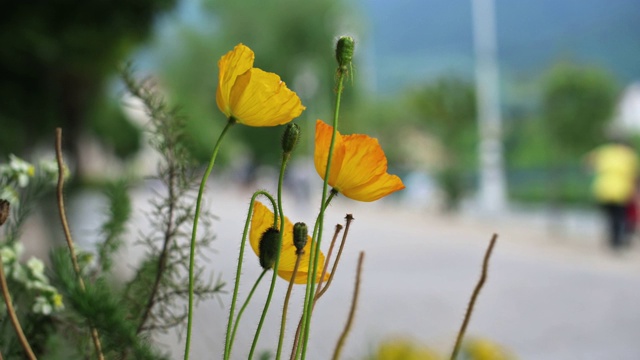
262, 220
260, 98
324, 133
233, 64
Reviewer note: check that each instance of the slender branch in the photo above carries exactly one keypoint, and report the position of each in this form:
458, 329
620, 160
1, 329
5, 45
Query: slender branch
474, 297
326, 262
162, 260
12, 315
352, 311
349, 218
67, 233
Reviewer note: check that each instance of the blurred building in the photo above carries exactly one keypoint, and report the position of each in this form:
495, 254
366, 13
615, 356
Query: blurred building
627, 116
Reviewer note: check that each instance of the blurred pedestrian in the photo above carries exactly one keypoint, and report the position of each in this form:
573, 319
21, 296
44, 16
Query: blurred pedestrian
615, 166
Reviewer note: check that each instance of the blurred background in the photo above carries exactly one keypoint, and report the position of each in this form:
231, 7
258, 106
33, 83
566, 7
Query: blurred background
485, 108
546, 68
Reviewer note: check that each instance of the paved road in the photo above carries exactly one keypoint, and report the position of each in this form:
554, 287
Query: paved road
546, 297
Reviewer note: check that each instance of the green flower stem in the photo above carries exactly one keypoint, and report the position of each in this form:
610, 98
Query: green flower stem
285, 158
229, 338
315, 248
285, 306
244, 306
192, 252
297, 345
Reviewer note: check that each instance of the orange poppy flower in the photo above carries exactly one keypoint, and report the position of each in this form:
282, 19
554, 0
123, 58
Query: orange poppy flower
358, 167
252, 96
261, 220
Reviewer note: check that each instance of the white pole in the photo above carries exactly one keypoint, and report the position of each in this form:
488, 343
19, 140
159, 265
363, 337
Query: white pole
492, 193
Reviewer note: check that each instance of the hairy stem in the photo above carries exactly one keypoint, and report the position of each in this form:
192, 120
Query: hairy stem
317, 237
194, 232
285, 306
228, 337
244, 306
283, 166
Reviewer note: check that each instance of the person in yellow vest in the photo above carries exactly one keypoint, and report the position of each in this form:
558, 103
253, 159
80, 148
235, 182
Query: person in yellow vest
615, 167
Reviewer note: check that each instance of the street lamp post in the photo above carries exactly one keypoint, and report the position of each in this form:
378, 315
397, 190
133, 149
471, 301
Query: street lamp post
492, 194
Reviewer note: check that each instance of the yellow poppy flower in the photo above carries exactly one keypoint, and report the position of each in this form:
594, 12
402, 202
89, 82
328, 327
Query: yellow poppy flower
358, 167
252, 96
261, 220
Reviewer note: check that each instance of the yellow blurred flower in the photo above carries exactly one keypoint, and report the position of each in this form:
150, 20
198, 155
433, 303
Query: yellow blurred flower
252, 96
262, 220
485, 349
358, 167
402, 349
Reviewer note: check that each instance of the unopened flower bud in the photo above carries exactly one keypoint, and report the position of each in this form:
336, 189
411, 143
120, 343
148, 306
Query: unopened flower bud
290, 137
300, 236
344, 52
269, 248
4, 211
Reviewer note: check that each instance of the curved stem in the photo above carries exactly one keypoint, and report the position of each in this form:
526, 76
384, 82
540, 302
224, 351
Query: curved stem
244, 306
229, 338
192, 250
285, 158
474, 297
349, 219
67, 234
285, 306
13, 317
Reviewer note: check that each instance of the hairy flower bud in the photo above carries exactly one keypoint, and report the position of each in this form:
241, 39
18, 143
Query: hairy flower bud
4, 211
300, 236
290, 137
344, 52
269, 248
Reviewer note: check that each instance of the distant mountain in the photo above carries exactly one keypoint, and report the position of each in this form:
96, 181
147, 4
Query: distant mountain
413, 40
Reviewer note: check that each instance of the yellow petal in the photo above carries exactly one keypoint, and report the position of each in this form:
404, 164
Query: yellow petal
233, 64
321, 152
363, 175
359, 166
261, 220
260, 98
377, 188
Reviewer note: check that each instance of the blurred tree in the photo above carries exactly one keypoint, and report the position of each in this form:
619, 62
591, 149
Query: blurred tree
448, 106
577, 104
293, 39
56, 57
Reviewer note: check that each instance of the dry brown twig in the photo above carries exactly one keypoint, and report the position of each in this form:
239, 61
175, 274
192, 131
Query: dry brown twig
4, 206
474, 297
352, 311
67, 234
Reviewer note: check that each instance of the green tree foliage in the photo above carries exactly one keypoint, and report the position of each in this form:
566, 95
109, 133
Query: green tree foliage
577, 105
448, 108
56, 57
290, 38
